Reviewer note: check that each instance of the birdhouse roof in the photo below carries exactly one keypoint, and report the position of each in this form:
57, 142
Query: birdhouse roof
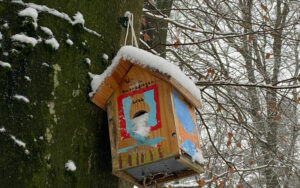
129, 55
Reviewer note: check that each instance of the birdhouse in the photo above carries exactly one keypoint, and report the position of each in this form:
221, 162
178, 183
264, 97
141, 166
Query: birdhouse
150, 106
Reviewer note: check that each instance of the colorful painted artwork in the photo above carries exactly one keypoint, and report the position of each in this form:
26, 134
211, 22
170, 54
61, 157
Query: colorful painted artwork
145, 120
188, 131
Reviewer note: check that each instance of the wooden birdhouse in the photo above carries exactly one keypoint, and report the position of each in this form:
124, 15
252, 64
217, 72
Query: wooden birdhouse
150, 106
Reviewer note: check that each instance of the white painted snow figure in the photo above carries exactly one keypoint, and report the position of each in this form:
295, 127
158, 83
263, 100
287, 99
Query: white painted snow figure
140, 125
198, 157
21, 98
24, 39
70, 165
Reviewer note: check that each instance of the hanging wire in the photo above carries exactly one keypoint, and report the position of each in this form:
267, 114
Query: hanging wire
129, 15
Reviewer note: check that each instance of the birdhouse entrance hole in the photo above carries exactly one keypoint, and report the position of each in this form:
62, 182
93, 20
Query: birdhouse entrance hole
139, 113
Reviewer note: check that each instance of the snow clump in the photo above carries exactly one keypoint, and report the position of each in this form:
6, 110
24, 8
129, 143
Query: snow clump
52, 42
24, 39
27, 78
70, 165
18, 142
96, 79
69, 42
198, 157
78, 19
21, 98
46, 30
30, 12
5, 64
88, 61
105, 56
2, 130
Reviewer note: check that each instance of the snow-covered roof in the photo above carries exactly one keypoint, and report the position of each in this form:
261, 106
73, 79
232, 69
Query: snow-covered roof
150, 61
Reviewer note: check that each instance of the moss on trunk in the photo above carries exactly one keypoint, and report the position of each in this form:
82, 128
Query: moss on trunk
59, 123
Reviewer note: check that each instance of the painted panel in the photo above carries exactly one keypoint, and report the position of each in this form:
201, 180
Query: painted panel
141, 91
148, 96
188, 138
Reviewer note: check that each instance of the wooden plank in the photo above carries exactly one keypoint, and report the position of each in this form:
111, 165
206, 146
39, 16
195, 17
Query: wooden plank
136, 79
112, 126
194, 166
100, 98
188, 96
110, 84
176, 176
127, 177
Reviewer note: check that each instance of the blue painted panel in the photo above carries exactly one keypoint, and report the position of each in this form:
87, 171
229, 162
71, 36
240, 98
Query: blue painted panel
183, 114
149, 99
188, 147
126, 102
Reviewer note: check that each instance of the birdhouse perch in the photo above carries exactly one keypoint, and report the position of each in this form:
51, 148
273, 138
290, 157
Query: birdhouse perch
150, 106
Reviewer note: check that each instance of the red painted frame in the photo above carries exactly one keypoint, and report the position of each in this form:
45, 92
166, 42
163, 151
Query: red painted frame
124, 134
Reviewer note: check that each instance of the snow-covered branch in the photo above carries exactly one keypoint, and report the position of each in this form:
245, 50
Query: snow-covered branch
223, 83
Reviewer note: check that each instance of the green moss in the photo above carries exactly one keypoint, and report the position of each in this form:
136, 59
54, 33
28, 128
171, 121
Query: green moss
59, 110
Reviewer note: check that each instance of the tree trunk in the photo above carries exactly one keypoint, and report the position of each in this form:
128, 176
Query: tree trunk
58, 123
157, 29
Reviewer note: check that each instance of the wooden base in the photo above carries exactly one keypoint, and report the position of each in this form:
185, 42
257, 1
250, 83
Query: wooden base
163, 177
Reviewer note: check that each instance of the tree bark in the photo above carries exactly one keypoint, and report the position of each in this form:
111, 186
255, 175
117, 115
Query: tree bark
157, 29
59, 123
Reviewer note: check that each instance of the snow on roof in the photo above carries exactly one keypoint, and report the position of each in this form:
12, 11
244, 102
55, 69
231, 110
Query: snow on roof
146, 60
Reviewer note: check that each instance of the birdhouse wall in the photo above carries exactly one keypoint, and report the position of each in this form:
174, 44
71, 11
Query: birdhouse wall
145, 99
185, 122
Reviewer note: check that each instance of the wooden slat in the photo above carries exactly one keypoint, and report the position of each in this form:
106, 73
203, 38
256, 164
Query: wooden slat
169, 145
177, 176
110, 84
112, 126
127, 177
194, 166
188, 96
101, 97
